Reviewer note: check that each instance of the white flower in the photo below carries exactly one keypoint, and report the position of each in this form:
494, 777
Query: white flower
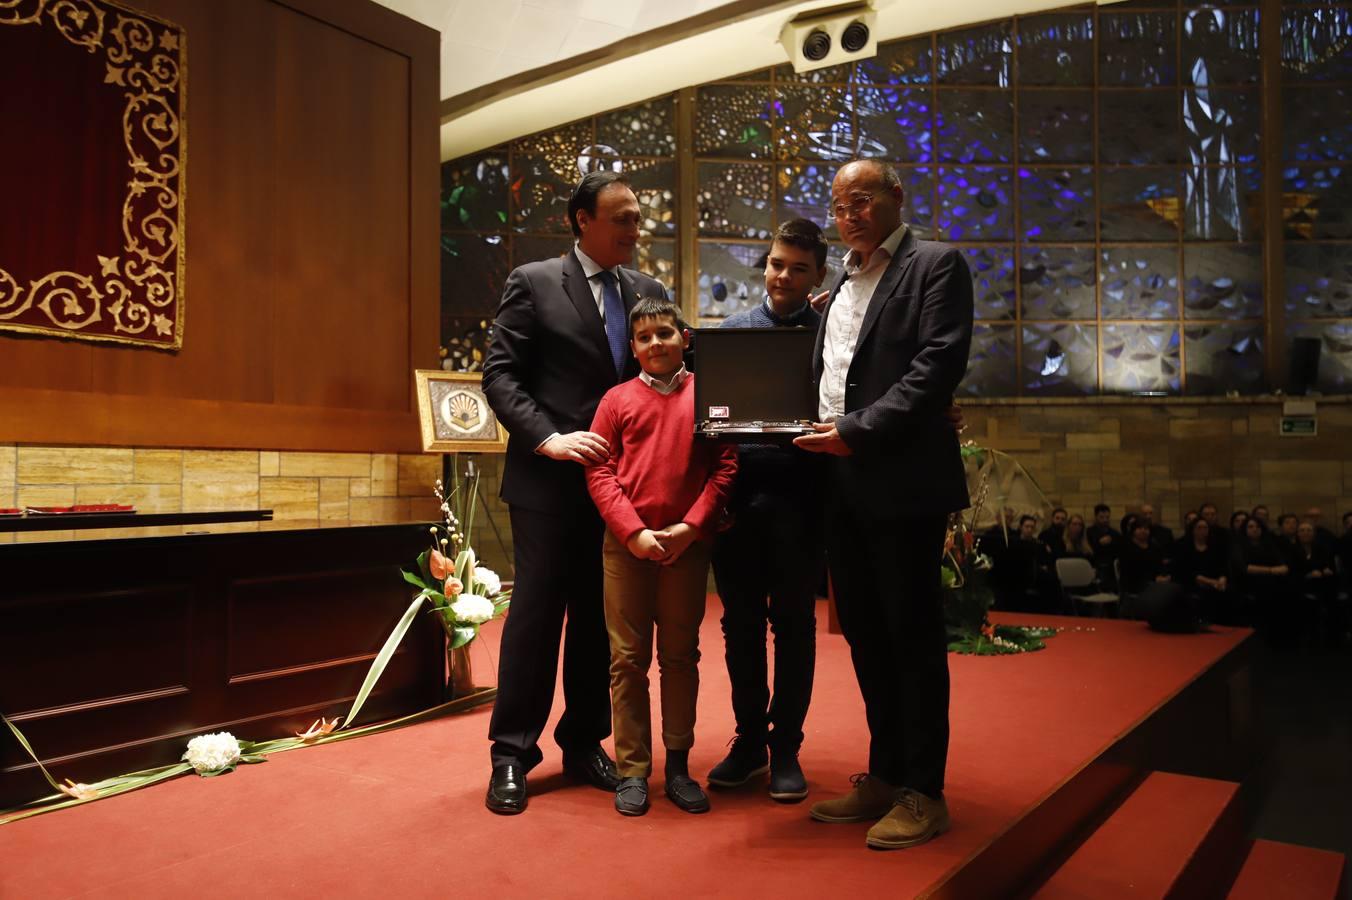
488, 580
212, 752
472, 608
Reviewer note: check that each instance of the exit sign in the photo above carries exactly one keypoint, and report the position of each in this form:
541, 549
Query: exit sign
1299, 426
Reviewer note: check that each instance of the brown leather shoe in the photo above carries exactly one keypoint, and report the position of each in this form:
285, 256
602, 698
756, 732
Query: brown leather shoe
913, 820
871, 798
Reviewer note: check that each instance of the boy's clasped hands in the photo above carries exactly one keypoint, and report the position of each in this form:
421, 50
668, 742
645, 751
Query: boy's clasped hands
664, 546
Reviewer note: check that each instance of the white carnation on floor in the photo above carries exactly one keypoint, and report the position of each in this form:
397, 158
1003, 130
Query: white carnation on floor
212, 752
472, 608
488, 580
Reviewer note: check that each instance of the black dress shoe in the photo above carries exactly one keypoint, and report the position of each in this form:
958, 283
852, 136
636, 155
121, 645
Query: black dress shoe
787, 784
507, 790
631, 796
744, 761
593, 767
686, 793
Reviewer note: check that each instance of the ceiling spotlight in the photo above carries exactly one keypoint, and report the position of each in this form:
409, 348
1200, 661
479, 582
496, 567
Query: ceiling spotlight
817, 45
855, 37
830, 37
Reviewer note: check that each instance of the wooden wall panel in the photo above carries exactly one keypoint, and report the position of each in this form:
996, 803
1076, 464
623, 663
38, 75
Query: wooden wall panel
311, 247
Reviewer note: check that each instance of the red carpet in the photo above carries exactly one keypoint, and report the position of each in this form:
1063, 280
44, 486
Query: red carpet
401, 814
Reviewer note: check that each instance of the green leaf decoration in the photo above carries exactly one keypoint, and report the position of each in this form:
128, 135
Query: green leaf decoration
23, 742
414, 579
463, 635
382, 659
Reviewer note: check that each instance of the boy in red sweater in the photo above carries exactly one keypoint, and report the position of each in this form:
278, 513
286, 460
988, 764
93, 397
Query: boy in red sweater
660, 493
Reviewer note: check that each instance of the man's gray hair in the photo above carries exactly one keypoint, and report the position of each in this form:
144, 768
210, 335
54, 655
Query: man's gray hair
887, 174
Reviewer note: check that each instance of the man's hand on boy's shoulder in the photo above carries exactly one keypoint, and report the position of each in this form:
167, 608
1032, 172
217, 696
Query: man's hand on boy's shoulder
955, 418
586, 447
676, 539
645, 545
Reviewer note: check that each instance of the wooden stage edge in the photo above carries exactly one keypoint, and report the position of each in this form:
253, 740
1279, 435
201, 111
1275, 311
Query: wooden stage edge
1205, 728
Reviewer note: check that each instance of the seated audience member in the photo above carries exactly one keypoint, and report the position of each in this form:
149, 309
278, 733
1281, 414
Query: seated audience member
1051, 535
1142, 559
1265, 580
1188, 518
994, 541
1286, 534
1322, 536
1181, 541
1312, 568
1162, 536
1238, 519
1220, 535
1201, 569
1022, 578
1260, 512
1074, 540
1105, 542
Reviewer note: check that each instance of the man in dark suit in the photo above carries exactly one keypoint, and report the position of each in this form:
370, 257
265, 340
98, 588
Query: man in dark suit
891, 350
560, 342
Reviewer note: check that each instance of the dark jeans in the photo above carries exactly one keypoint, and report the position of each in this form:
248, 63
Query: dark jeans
767, 568
890, 604
558, 570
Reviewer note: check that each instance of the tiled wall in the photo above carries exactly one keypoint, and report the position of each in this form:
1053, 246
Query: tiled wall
357, 487
1175, 455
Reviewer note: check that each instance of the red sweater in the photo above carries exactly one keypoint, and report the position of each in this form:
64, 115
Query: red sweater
657, 474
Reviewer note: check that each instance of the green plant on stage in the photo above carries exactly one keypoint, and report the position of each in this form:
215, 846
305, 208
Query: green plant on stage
965, 574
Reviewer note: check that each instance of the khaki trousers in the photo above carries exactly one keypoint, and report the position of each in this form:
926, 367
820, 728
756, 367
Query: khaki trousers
641, 594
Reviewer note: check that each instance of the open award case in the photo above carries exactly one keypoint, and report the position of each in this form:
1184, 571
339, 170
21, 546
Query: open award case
754, 385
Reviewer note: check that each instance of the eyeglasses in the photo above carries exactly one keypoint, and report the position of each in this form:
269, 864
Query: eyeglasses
853, 207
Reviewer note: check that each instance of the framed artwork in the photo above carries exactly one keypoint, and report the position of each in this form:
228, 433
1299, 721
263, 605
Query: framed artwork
455, 414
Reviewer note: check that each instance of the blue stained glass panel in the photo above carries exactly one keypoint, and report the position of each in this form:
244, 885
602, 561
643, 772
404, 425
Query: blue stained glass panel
730, 279
1317, 201
1138, 127
1139, 204
1317, 44
992, 281
1223, 281
991, 363
473, 271
896, 123
976, 203
918, 200
1220, 46
1056, 126
474, 192
1318, 281
1060, 360
1056, 204
898, 62
975, 126
1222, 204
1058, 283
1140, 358
1222, 125
1056, 49
1316, 126
1137, 49
978, 55
539, 193
826, 75
733, 120
814, 122
804, 191
1223, 358
1138, 283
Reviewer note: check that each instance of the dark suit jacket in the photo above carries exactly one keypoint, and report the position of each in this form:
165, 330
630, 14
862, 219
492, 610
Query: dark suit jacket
908, 361
547, 368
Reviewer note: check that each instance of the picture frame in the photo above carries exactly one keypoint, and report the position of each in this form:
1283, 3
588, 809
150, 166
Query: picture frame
455, 415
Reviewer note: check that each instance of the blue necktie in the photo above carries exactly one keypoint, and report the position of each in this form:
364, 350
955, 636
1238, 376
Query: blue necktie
616, 324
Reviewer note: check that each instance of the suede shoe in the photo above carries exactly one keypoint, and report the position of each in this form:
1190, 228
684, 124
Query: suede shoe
686, 793
744, 761
871, 799
914, 820
787, 784
631, 796
593, 767
507, 790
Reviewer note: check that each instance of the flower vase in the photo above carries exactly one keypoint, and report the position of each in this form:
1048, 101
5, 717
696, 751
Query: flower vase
461, 682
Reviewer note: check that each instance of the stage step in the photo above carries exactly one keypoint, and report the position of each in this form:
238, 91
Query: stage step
1275, 871
1176, 836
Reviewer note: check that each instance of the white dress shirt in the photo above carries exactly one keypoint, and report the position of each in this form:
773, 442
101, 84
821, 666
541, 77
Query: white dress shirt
664, 387
843, 321
591, 269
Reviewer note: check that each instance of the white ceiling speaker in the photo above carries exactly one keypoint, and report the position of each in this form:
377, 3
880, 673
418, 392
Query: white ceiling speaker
830, 37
